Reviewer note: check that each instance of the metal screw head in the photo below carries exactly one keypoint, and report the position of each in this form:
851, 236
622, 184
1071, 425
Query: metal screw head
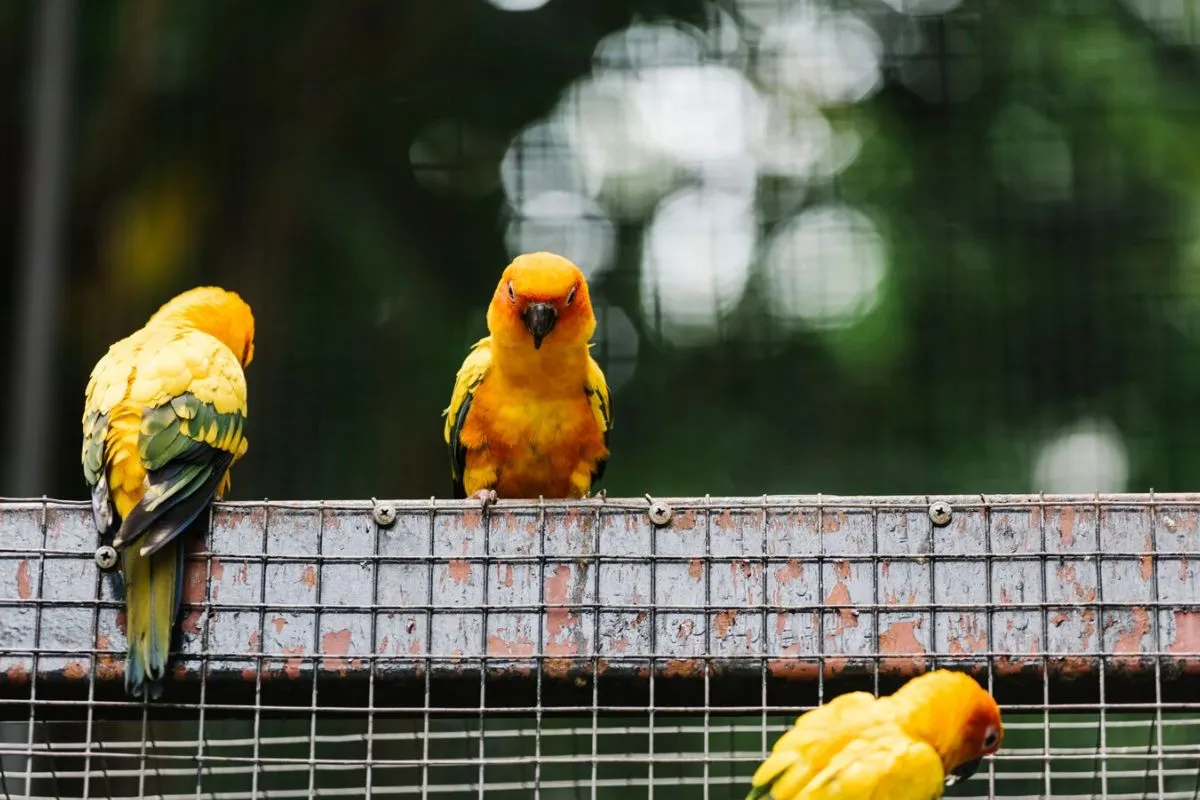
940, 513
660, 513
384, 514
106, 557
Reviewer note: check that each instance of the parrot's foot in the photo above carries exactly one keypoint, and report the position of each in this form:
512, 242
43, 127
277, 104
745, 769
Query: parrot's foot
601, 495
486, 497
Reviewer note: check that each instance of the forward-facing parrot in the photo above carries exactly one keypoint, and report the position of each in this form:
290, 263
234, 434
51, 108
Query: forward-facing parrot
162, 424
531, 413
901, 747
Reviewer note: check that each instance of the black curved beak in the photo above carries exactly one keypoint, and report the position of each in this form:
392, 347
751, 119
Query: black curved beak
540, 319
966, 770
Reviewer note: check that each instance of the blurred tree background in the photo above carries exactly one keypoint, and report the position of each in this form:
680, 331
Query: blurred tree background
901, 246
859, 246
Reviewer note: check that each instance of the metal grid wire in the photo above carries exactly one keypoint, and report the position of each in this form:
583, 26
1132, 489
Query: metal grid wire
581, 650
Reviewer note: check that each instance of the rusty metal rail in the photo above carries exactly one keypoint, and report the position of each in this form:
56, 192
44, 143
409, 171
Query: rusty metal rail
800, 590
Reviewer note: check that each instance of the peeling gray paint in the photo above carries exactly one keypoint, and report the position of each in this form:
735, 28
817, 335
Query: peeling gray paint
798, 584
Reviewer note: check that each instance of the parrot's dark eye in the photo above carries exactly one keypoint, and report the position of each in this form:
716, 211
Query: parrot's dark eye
571, 295
991, 738
512, 295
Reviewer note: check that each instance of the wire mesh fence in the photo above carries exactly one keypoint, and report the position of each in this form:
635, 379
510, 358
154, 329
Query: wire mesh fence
597, 649
778, 204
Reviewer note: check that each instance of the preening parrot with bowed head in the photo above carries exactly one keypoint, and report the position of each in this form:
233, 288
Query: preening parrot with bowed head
162, 424
906, 746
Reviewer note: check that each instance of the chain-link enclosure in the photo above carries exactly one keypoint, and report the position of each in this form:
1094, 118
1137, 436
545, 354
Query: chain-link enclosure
582, 650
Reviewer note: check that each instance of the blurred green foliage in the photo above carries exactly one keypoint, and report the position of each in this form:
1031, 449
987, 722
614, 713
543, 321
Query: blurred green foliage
267, 149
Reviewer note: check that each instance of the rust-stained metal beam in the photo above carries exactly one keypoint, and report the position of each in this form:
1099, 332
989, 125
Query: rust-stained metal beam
784, 589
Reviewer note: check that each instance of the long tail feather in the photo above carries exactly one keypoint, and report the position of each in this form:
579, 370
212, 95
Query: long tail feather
152, 550
153, 589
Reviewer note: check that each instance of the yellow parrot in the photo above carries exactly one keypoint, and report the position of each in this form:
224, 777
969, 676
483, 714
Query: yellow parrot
901, 747
162, 424
530, 413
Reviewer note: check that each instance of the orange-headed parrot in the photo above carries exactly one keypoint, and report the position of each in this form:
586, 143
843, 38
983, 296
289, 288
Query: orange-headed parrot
905, 746
531, 413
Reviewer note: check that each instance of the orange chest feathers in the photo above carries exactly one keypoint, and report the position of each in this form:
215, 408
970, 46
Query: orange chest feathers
534, 444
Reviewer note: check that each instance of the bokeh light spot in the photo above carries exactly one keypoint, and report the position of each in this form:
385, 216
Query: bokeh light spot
920, 8
696, 114
568, 224
824, 268
617, 343
795, 138
696, 261
1088, 456
1176, 21
540, 159
518, 5
600, 121
833, 58
643, 46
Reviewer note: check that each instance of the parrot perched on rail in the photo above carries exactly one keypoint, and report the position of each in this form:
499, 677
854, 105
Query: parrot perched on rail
530, 413
162, 424
901, 747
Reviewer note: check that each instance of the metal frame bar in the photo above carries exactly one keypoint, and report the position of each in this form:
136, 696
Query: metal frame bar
1014, 586
410, 631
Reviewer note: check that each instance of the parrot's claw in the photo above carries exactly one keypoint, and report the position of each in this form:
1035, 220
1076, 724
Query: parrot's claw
486, 497
601, 495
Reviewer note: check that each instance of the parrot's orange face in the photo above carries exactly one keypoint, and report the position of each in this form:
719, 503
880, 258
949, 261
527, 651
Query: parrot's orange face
237, 329
542, 299
219, 313
241, 329
981, 736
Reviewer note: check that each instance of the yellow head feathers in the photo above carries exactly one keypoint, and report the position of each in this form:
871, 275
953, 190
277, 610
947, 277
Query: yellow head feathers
217, 312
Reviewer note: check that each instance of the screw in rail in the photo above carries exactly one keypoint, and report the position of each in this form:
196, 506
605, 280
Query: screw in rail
106, 557
384, 514
660, 513
940, 513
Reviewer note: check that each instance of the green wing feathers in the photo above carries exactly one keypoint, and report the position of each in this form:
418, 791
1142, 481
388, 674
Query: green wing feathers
95, 431
600, 399
472, 372
186, 446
